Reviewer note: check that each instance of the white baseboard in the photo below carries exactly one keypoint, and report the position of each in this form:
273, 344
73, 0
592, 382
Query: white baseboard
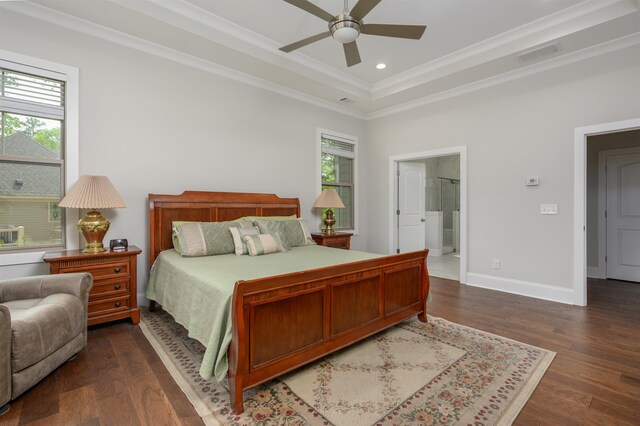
142, 300
594, 272
435, 252
523, 288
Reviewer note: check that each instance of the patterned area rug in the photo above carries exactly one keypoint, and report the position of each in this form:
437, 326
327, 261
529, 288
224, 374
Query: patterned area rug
413, 373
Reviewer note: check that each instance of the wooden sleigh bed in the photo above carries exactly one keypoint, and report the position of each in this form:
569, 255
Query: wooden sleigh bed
320, 310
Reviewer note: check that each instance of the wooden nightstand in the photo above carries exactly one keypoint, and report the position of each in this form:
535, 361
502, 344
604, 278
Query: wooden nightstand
340, 240
113, 295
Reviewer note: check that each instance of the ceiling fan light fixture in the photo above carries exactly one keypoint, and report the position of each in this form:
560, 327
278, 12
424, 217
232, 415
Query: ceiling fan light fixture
345, 35
345, 29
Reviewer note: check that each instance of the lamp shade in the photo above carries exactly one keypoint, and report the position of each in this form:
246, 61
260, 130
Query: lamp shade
328, 199
92, 192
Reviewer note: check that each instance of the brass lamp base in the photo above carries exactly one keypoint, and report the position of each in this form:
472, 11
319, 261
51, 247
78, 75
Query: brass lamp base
329, 220
93, 227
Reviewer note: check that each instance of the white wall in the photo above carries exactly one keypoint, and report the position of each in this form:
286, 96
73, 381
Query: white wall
512, 131
155, 126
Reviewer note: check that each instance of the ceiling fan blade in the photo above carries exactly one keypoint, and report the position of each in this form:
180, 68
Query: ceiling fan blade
301, 43
391, 30
312, 9
351, 53
362, 8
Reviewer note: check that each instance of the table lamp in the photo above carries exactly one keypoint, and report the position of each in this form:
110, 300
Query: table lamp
329, 199
93, 192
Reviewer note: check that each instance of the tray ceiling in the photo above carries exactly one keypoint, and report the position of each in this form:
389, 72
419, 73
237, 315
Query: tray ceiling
467, 42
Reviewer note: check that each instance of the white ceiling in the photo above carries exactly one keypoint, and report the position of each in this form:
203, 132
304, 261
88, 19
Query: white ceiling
467, 44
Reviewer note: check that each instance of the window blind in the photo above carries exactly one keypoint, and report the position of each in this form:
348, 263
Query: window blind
23, 93
336, 146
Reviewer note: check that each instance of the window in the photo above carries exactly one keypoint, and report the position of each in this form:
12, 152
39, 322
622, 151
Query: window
338, 163
32, 157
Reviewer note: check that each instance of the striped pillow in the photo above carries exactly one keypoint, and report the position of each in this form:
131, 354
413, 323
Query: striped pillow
263, 244
293, 232
245, 228
205, 238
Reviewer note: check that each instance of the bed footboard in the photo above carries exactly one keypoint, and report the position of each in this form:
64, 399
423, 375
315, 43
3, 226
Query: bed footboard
283, 322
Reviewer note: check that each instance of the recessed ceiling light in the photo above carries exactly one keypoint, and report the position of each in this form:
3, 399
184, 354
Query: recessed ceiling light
381, 66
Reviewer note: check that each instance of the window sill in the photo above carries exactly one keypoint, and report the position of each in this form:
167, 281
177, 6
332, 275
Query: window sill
24, 258
350, 231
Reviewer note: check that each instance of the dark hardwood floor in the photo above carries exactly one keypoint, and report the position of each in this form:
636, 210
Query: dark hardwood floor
594, 379
117, 380
595, 376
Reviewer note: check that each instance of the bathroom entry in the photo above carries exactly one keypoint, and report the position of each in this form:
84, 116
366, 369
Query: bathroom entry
444, 211
442, 194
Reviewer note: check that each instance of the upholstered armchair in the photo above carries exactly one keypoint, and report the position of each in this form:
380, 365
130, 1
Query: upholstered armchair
43, 323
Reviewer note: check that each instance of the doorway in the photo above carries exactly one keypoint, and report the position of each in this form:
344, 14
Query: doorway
584, 223
613, 206
444, 212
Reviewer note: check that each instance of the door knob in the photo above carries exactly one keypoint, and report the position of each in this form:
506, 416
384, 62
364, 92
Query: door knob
423, 220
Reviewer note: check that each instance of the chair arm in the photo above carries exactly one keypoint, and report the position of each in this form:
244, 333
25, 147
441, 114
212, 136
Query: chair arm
5, 355
77, 284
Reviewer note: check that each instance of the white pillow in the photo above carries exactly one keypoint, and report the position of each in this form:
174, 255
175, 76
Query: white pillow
263, 244
245, 228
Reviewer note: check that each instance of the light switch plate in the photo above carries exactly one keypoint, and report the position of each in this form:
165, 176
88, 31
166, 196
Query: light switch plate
548, 209
533, 181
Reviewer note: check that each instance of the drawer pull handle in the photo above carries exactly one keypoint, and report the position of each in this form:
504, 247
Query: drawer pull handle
117, 304
116, 270
116, 287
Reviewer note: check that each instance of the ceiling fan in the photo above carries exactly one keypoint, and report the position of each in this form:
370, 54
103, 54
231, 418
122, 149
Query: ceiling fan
347, 26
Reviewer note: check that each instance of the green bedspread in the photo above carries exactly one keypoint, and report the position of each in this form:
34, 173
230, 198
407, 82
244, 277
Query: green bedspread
197, 291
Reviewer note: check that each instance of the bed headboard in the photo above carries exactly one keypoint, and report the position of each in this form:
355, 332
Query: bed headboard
200, 206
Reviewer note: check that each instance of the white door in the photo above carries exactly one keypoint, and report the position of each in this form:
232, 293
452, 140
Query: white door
623, 217
411, 195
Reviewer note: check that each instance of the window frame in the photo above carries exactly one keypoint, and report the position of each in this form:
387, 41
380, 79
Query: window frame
353, 140
71, 168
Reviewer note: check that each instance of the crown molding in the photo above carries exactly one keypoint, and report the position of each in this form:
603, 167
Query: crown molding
185, 15
594, 11
549, 64
203, 23
580, 16
95, 30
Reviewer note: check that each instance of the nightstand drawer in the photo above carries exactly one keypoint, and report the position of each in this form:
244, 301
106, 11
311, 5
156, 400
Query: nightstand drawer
113, 295
105, 288
100, 272
338, 244
107, 306
339, 240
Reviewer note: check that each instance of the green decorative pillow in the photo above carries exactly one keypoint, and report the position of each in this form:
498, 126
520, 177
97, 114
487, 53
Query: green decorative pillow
245, 228
174, 234
205, 238
307, 234
293, 232
263, 244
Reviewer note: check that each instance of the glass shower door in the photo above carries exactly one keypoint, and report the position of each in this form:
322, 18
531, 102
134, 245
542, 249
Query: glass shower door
450, 207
